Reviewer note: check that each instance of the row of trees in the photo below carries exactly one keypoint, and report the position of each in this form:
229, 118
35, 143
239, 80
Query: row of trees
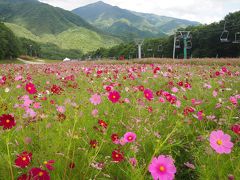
205, 43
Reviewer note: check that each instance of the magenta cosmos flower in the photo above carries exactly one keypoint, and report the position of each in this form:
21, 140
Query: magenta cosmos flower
162, 168
148, 94
114, 96
30, 88
130, 137
95, 99
221, 142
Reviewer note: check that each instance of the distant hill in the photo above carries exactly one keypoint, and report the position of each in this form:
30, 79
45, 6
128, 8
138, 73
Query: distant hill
73, 38
127, 23
41, 22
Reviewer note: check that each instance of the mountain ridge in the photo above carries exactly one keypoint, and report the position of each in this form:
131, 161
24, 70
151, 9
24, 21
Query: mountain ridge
44, 23
104, 16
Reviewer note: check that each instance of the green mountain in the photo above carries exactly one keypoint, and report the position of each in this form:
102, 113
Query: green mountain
41, 22
127, 23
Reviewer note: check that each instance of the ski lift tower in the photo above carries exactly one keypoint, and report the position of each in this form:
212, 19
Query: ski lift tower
139, 43
185, 35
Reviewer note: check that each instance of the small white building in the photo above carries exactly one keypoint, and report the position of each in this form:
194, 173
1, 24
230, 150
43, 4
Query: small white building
66, 60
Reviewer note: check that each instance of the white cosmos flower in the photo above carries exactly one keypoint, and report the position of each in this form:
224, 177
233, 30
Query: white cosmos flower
7, 90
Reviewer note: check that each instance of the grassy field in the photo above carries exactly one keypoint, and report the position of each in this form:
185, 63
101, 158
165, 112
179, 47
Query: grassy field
79, 114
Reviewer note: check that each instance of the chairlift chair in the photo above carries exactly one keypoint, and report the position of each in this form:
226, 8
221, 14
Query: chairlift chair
177, 44
237, 38
224, 36
149, 49
160, 48
189, 44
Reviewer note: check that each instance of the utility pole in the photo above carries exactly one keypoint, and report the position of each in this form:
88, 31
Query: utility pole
174, 46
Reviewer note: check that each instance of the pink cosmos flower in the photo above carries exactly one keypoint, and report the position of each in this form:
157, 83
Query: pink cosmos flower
221, 142
233, 100
61, 109
126, 100
114, 96
27, 102
161, 100
18, 86
174, 89
162, 168
95, 99
94, 113
200, 115
196, 102
208, 86
148, 94
37, 105
215, 93
178, 104
133, 161
30, 113
130, 137
218, 105
18, 78
121, 141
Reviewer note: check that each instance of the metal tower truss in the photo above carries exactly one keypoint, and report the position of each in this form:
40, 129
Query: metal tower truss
187, 41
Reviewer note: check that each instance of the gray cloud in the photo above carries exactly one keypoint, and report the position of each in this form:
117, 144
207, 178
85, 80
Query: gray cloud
204, 11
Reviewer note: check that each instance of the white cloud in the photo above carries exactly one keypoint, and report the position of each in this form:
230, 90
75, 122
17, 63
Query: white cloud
204, 11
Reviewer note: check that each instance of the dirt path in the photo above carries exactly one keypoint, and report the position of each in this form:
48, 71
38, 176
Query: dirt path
31, 62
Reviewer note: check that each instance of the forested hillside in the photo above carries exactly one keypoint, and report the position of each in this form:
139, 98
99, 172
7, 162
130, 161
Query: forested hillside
9, 44
12, 46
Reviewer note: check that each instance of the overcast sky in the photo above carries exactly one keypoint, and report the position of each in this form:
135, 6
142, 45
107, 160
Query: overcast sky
204, 11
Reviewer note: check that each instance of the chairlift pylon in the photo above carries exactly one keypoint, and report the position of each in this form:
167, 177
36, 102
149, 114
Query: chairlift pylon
237, 38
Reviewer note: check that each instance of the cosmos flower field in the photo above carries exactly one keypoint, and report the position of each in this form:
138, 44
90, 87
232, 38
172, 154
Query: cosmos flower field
120, 121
